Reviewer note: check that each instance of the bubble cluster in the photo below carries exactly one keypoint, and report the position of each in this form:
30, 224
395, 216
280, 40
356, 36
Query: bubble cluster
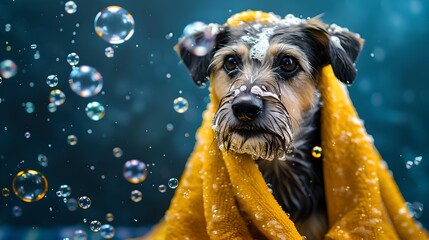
134, 171
72, 140
85, 81
136, 196
95, 226
95, 111
64, 191
70, 7
73, 59
180, 105
57, 97
42, 160
114, 24
84, 202
117, 152
30, 185
199, 38
173, 183
52, 80
162, 188
107, 231
109, 52
8, 69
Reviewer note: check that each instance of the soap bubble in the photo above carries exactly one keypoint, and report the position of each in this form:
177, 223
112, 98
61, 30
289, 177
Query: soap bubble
162, 188
70, 7
84, 202
57, 97
202, 43
109, 52
136, 196
64, 191
52, 108
17, 211
180, 105
30, 185
5, 192
79, 235
95, 111
73, 59
173, 183
117, 152
43, 160
95, 226
52, 80
114, 24
8, 69
71, 204
27, 135
107, 231
85, 81
110, 217
72, 139
135, 171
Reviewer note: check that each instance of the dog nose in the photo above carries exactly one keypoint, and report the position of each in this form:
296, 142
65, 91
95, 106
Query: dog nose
246, 107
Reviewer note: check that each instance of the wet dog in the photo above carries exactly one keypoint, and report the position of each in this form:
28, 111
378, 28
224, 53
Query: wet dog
266, 77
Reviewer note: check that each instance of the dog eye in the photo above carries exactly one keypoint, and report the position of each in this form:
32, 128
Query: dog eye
230, 64
288, 64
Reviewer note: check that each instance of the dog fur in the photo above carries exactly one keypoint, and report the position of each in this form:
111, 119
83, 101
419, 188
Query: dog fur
254, 61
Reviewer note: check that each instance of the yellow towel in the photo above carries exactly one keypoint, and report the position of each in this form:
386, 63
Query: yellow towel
224, 196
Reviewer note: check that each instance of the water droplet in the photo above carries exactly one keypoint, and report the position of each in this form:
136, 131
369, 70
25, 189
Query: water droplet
117, 152
85, 81
70, 7
17, 211
64, 191
170, 127
57, 97
409, 164
72, 140
110, 217
84, 202
29, 107
5, 192
27, 135
95, 226
180, 105
136, 196
71, 204
52, 80
42, 160
73, 59
79, 234
162, 188
173, 183
109, 52
95, 111
8, 69
202, 44
134, 171
107, 231
52, 108
30, 185
417, 160
114, 24
316, 152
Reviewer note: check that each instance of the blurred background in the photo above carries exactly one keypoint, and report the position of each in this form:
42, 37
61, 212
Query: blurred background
143, 78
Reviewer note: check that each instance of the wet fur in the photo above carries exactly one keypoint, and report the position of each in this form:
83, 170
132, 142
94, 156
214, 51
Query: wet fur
291, 119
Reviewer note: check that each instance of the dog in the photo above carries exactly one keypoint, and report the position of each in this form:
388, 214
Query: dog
266, 77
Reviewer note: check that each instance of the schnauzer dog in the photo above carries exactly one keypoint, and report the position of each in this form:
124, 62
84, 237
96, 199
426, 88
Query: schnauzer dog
266, 77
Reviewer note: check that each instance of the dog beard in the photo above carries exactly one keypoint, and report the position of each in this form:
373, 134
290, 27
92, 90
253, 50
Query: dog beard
268, 137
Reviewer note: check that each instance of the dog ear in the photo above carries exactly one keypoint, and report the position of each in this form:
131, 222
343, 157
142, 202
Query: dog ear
197, 50
344, 48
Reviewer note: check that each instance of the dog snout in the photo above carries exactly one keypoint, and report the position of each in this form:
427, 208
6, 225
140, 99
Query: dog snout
246, 107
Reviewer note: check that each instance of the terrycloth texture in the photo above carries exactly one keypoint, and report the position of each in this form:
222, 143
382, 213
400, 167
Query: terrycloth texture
224, 196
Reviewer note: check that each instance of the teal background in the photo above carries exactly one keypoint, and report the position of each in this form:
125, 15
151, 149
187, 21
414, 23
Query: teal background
391, 94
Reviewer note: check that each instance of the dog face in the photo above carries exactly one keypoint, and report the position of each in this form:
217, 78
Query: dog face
266, 77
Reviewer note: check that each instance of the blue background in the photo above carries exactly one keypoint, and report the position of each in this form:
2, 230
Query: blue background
391, 94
